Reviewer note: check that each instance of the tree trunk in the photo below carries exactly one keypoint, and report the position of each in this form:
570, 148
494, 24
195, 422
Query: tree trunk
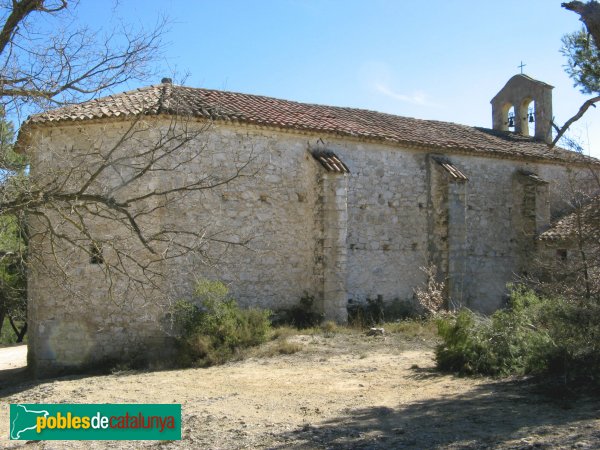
2, 315
20, 334
589, 14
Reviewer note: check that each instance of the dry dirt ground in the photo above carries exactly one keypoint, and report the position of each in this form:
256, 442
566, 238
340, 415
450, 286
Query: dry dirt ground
339, 391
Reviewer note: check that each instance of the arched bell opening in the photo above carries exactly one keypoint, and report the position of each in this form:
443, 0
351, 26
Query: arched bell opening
509, 117
527, 117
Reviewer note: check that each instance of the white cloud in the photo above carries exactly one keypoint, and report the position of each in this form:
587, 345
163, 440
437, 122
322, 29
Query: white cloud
419, 98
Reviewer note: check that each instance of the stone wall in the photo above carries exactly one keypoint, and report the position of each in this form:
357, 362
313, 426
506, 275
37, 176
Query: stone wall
286, 228
404, 213
335, 233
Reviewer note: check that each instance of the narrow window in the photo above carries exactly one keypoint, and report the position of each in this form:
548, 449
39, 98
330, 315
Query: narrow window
561, 254
96, 254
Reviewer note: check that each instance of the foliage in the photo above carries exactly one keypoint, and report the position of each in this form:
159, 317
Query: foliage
583, 61
8, 335
399, 310
13, 293
303, 315
377, 311
423, 329
428, 301
581, 50
285, 347
13, 243
575, 331
506, 343
50, 58
213, 332
533, 335
366, 314
430, 297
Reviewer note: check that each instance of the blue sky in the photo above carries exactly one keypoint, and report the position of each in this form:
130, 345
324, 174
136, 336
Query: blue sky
438, 59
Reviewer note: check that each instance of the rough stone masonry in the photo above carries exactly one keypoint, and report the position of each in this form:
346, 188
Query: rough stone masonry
336, 203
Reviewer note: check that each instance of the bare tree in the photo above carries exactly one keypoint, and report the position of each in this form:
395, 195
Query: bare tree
102, 198
568, 264
43, 67
46, 60
106, 202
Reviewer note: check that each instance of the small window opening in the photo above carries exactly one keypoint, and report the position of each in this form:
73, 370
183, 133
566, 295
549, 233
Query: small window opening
561, 254
96, 254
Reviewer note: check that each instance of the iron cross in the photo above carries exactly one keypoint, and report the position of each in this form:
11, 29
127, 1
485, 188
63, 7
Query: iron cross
521, 66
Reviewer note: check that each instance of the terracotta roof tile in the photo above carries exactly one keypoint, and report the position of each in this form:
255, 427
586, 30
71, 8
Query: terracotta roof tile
330, 161
254, 109
567, 227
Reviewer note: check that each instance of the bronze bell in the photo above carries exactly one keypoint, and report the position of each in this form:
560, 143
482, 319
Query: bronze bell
531, 119
511, 122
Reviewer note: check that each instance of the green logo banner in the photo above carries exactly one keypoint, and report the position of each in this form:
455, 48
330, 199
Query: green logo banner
34, 422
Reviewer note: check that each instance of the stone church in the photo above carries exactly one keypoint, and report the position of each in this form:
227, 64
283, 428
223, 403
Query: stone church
339, 204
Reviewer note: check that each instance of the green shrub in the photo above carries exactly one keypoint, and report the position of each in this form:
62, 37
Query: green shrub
511, 341
218, 329
366, 314
375, 311
548, 337
575, 331
399, 310
303, 315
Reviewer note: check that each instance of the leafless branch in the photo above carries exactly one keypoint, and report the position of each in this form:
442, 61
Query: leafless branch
562, 130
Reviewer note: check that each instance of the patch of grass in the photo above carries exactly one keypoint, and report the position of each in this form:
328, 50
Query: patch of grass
285, 347
283, 332
278, 346
413, 328
329, 328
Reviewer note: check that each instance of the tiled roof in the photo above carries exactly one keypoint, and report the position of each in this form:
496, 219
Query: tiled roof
330, 161
567, 227
454, 172
172, 99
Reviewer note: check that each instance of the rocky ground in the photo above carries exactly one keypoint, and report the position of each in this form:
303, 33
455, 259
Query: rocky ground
342, 390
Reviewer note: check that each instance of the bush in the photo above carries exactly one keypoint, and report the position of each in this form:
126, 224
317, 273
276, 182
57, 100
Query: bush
532, 336
302, 315
218, 329
366, 314
399, 310
575, 331
430, 296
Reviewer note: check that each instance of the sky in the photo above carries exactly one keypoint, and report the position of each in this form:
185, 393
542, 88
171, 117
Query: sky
439, 59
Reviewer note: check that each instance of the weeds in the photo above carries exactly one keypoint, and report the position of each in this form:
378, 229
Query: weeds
413, 328
218, 329
285, 347
430, 297
302, 315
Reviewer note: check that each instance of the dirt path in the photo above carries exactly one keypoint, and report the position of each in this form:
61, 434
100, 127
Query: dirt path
345, 391
14, 357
